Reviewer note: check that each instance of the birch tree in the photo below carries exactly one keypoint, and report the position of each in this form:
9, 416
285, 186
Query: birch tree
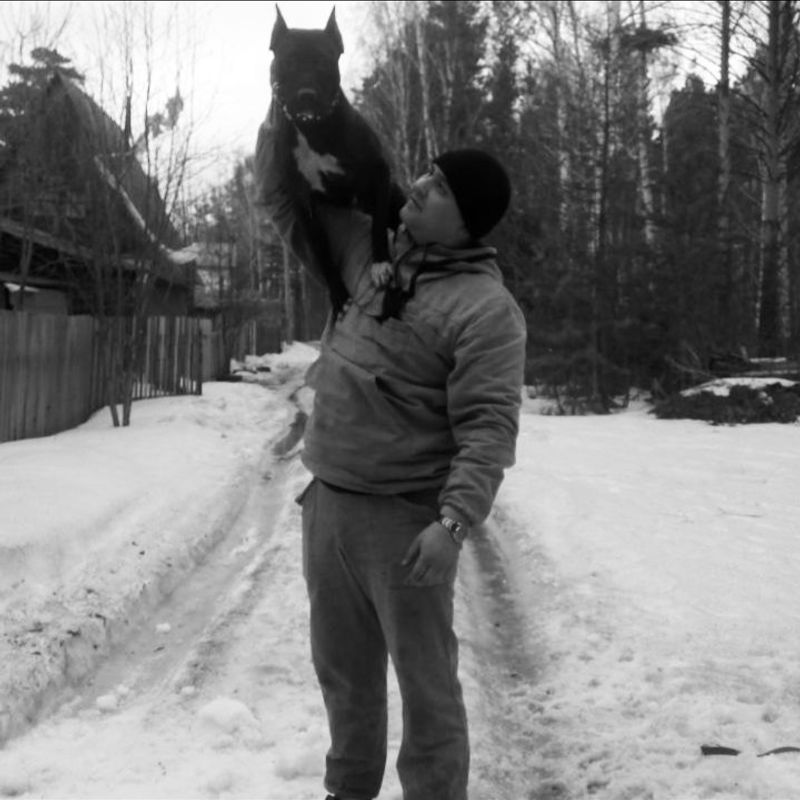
386, 96
425, 93
431, 143
552, 16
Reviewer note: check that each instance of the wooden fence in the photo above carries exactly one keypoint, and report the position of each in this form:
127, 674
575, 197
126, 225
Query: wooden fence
51, 372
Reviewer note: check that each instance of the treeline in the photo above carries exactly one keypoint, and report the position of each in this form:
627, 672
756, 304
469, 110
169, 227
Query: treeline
645, 248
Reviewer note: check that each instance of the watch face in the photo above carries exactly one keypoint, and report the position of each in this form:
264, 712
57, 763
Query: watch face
457, 531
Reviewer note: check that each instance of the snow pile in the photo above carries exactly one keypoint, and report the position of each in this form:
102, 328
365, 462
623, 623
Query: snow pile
722, 386
273, 369
231, 718
735, 401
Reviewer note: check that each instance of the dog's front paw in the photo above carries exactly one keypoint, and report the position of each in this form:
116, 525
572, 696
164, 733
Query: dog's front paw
381, 274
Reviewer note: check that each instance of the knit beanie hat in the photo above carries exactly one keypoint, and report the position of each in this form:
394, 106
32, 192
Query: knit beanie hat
480, 186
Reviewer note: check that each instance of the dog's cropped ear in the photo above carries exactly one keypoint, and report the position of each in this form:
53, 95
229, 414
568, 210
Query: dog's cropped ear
332, 29
279, 29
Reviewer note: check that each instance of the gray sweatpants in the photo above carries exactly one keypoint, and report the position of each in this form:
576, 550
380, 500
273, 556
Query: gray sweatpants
362, 612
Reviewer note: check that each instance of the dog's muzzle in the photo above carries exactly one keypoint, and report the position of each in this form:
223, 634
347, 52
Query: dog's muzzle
304, 116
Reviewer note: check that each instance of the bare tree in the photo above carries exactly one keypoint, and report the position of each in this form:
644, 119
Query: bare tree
431, 144
24, 27
424, 93
552, 16
388, 22
144, 169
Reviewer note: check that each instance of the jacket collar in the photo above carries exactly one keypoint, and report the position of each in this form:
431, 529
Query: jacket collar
413, 262
409, 257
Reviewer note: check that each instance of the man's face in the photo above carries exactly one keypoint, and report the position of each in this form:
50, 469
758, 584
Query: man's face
431, 213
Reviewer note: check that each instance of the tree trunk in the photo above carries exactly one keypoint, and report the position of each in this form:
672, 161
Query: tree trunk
25, 258
288, 297
784, 299
787, 79
605, 273
110, 344
724, 177
643, 140
431, 147
583, 175
562, 157
770, 334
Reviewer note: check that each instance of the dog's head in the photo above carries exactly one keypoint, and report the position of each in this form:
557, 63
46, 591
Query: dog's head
305, 69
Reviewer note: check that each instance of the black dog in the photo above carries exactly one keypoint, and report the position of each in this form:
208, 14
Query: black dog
327, 148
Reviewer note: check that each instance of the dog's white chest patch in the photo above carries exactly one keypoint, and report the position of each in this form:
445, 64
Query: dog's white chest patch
314, 165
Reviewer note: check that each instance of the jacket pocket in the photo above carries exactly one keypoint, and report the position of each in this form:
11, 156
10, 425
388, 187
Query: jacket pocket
347, 393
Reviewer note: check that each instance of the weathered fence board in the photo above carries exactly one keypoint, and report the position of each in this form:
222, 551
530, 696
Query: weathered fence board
52, 375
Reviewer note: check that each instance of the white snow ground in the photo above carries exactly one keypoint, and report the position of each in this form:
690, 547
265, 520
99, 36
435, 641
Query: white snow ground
635, 596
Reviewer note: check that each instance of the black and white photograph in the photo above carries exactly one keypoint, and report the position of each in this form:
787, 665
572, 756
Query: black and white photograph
400, 400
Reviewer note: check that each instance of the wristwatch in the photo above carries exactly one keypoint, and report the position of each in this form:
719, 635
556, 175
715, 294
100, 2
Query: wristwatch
456, 529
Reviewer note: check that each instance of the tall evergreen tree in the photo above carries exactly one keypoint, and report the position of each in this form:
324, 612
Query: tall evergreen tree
21, 96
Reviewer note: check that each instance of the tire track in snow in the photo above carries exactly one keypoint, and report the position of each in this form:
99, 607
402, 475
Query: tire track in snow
504, 660
256, 580
186, 634
55, 660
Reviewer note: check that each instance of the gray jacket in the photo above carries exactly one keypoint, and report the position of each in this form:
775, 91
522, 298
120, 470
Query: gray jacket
427, 399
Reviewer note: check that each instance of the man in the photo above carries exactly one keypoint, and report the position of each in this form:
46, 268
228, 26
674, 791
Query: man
417, 394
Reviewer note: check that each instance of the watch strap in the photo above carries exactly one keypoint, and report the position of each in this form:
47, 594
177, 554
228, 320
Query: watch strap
456, 529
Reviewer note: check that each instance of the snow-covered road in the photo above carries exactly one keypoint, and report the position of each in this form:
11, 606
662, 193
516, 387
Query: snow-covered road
213, 693
633, 597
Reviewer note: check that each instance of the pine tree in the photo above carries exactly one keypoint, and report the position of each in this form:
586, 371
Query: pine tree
21, 97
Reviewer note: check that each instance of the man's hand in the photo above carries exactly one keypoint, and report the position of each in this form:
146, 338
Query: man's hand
382, 274
433, 556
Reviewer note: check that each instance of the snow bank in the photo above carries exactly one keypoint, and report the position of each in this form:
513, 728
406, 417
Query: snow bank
101, 523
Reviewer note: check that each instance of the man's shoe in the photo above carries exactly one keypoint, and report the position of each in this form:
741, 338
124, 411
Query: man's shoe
333, 797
